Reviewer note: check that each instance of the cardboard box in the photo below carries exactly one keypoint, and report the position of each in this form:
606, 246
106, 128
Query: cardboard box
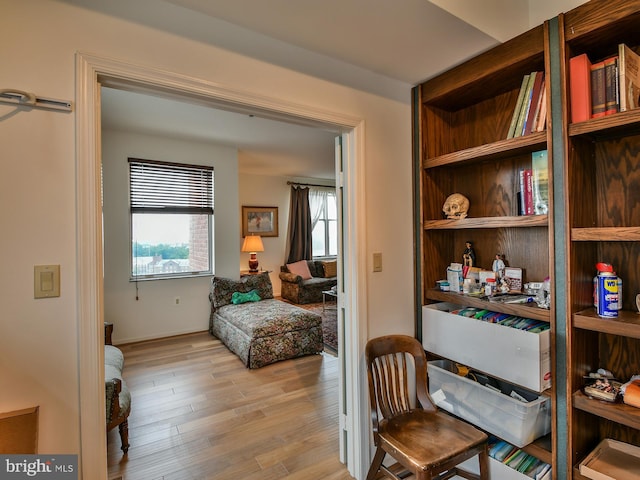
514, 355
612, 460
491, 405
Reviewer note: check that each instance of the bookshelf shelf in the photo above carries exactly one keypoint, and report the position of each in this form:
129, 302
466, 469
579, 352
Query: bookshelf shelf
491, 151
523, 221
606, 234
627, 324
610, 124
615, 412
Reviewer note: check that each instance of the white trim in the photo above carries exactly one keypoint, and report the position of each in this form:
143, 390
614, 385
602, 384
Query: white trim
90, 70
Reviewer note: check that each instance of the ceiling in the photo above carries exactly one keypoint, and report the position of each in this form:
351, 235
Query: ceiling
380, 46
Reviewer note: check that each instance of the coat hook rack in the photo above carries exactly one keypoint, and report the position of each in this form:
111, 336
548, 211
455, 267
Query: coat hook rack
13, 96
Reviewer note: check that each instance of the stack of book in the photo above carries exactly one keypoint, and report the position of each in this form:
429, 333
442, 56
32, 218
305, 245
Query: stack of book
604, 87
533, 194
530, 113
504, 319
517, 459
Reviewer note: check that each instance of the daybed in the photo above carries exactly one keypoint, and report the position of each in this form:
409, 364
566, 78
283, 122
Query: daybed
304, 281
259, 328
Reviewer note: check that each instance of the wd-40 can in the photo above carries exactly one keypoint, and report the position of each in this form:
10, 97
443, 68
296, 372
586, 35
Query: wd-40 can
608, 297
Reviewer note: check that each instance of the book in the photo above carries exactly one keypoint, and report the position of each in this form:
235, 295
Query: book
528, 192
611, 89
580, 88
629, 78
534, 105
540, 177
526, 102
598, 100
541, 122
518, 107
534, 124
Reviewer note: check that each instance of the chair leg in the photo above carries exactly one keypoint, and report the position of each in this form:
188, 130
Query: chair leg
124, 435
483, 458
375, 463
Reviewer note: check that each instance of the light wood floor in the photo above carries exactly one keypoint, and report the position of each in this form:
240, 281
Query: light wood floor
198, 413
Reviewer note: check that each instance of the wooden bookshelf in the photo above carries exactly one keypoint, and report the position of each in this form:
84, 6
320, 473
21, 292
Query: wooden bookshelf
603, 225
461, 123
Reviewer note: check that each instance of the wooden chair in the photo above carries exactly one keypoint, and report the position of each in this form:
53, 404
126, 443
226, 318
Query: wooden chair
427, 442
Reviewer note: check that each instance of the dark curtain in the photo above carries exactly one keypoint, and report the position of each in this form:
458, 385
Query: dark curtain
299, 234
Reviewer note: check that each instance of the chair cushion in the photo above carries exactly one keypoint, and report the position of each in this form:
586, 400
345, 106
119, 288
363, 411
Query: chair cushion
222, 289
239, 297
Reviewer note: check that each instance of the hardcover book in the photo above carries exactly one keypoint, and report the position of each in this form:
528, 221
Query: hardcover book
611, 87
598, 99
580, 88
629, 73
516, 110
540, 176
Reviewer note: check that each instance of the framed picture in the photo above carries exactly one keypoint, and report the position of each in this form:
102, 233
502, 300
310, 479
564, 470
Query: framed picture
261, 221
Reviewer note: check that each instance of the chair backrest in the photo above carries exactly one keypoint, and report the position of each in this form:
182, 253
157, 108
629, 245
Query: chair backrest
389, 382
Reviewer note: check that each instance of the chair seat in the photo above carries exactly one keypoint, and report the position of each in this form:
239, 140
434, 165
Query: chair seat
427, 439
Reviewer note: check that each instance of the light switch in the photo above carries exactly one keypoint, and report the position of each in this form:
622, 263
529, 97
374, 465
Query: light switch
46, 281
377, 262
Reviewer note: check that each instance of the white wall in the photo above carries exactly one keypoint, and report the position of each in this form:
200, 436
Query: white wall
155, 313
39, 352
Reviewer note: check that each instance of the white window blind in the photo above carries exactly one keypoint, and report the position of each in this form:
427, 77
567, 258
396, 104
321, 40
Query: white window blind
163, 187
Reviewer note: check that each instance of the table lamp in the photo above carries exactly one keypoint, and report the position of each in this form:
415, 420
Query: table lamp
253, 244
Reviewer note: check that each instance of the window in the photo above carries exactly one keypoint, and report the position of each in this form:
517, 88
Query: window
324, 218
171, 219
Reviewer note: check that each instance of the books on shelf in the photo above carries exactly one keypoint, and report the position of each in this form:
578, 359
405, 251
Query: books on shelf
604, 87
533, 193
629, 77
528, 115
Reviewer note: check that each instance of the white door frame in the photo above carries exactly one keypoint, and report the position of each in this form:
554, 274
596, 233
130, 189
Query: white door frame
90, 71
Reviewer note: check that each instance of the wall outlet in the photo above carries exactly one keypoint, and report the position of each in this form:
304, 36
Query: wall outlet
176, 301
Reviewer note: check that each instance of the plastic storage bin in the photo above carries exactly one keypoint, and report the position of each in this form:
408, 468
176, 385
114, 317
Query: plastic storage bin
513, 420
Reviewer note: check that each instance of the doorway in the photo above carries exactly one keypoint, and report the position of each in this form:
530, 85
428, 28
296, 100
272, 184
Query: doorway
92, 71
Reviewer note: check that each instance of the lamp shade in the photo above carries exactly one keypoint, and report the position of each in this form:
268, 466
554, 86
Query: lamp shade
252, 243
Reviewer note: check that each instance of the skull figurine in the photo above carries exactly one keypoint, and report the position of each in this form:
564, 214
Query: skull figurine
456, 206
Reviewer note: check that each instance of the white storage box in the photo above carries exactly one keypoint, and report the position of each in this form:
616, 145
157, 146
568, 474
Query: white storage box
497, 470
518, 356
513, 420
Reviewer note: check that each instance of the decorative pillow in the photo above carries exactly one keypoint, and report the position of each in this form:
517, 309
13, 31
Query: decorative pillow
261, 283
330, 268
239, 297
300, 268
222, 290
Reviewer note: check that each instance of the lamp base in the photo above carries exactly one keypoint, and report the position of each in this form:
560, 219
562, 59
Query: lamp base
253, 263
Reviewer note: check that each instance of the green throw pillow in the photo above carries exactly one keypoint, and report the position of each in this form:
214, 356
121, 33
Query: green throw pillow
238, 297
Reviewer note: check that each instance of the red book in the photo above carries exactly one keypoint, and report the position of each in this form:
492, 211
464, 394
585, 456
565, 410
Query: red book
580, 88
528, 192
612, 90
598, 90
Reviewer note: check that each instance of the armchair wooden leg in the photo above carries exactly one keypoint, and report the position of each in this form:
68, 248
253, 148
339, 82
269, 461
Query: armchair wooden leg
124, 435
375, 463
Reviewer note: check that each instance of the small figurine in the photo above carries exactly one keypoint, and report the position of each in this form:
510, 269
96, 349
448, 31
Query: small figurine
504, 286
456, 206
498, 266
468, 256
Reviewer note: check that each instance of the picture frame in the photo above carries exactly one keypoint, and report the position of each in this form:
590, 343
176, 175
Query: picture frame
261, 221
